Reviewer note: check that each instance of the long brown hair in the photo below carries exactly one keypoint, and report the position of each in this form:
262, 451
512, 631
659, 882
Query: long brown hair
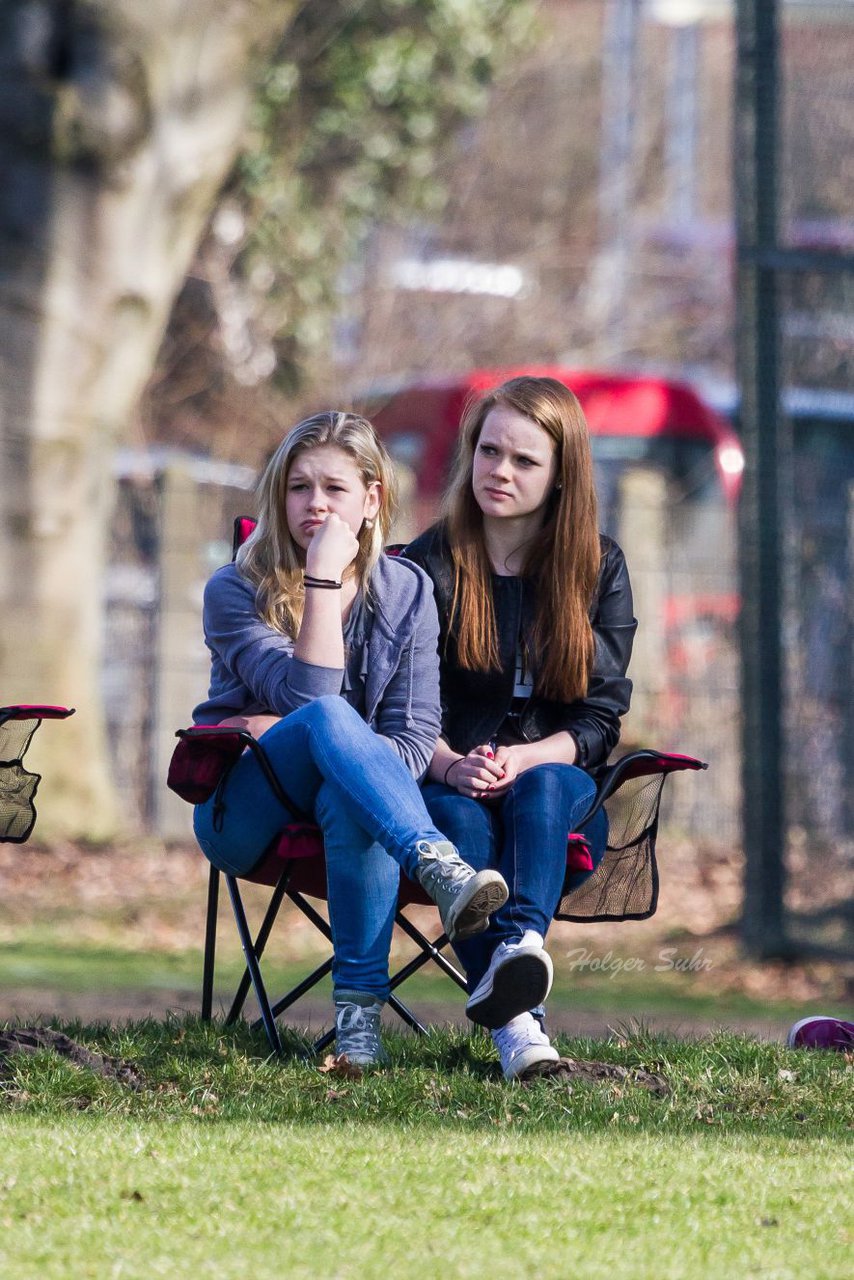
562, 560
269, 557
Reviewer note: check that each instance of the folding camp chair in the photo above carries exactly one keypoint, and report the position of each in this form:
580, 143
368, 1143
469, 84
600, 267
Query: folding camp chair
294, 866
18, 785
623, 887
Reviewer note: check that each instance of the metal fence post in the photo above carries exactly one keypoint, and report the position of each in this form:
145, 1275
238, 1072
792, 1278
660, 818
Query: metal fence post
761, 542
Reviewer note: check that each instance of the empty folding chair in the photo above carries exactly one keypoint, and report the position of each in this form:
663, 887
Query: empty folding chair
18, 785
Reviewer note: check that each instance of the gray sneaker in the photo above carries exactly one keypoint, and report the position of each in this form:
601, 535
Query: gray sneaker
465, 897
357, 1028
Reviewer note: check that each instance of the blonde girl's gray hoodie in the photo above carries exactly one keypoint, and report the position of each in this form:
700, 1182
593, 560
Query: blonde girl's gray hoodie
391, 675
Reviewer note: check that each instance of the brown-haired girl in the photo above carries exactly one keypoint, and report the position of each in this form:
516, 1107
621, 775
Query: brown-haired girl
536, 629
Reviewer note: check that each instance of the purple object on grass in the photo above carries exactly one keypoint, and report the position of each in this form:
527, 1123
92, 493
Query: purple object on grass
821, 1032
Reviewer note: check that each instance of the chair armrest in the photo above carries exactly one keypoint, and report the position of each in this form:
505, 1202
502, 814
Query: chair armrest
18, 785
201, 760
643, 763
204, 755
34, 711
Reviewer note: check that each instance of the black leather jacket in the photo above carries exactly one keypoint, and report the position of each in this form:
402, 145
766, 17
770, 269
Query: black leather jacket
476, 703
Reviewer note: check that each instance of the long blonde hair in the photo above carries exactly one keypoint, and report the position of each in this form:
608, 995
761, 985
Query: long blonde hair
562, 560
270, 558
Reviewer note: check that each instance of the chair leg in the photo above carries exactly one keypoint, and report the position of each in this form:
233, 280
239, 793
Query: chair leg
323, 1042
252, 965
314, 916
429, 951
301, 988
313, 978
210, 944
260, 943
405, 1013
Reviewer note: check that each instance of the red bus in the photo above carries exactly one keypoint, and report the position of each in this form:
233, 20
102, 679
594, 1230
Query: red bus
634, 421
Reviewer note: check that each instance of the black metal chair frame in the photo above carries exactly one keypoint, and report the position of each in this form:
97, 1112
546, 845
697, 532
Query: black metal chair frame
253, 950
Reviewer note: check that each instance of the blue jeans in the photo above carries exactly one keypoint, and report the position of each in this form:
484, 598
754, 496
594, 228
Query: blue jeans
368, 807
523, 836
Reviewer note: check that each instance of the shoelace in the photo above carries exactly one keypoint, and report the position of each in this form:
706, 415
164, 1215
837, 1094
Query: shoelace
510, 1039
360, 1028
438, 868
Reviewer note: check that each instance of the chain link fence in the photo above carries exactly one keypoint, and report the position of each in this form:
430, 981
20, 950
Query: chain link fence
170, 530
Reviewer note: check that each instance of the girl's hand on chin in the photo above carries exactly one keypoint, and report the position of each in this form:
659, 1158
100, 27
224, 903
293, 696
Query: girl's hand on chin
333, 547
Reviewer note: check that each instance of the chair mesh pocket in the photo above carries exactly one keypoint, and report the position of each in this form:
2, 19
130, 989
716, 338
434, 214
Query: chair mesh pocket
625, 884
15, 737
17, 812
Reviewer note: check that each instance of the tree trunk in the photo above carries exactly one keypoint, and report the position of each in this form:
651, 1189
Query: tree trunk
119, 120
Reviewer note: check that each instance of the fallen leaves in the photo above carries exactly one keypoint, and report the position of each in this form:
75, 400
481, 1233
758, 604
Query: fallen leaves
339, 1065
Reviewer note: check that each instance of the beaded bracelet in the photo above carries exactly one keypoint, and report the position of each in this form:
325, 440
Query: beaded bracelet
325, 584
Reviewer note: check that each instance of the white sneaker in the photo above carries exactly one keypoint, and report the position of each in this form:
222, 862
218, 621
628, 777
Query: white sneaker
521, 1045
519, 977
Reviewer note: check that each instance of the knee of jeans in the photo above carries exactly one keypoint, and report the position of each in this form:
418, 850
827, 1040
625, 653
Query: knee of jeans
331, 710
554, 785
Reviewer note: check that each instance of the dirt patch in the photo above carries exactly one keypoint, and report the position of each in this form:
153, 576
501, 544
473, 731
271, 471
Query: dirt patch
583, 1072
31, 1040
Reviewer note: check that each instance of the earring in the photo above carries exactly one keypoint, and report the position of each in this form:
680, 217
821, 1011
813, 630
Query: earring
558, 486
368, 522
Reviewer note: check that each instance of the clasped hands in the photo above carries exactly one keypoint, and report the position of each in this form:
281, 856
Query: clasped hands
486, 775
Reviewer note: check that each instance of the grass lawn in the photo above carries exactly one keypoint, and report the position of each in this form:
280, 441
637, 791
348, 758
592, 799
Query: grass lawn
226, 1163
112, 1197
208, 1159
